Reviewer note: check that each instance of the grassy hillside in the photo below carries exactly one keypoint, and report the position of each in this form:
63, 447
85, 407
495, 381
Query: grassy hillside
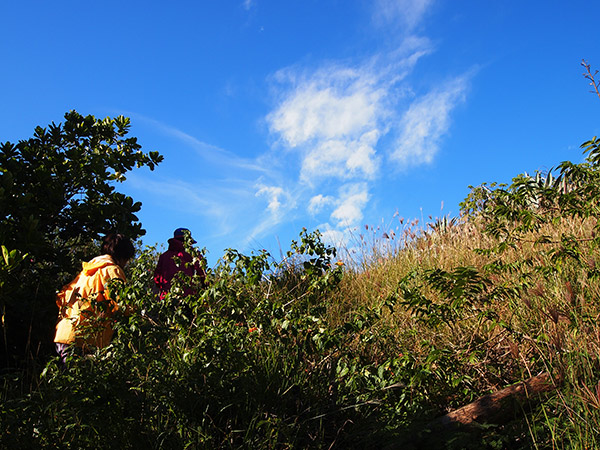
315, 352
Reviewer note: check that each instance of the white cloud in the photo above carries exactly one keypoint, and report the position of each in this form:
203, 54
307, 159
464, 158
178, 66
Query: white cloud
275, 195
318, 202
407, 13
337, 122
336, 118
342, 158
280, 203
335, 102
425, 122
353, 198
333, 118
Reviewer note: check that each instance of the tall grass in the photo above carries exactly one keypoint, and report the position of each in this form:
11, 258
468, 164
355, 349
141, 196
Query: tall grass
546, 320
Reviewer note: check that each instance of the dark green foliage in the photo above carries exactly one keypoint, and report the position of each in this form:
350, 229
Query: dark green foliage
58, 198
249, 361
531, 202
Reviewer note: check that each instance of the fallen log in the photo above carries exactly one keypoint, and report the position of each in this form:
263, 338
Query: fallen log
498, 406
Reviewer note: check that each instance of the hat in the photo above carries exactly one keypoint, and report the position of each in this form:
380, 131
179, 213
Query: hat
179, 233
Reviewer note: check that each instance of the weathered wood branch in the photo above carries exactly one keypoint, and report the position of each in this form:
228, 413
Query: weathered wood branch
499, 406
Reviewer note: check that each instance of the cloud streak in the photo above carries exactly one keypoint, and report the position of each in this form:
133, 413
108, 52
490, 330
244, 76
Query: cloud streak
425, 122
406, 13
190, 199
211, 153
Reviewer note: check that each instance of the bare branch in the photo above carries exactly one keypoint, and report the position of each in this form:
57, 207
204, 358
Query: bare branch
589, 76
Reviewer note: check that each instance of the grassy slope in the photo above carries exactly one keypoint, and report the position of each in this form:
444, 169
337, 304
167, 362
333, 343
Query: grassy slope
321, 355
534, 313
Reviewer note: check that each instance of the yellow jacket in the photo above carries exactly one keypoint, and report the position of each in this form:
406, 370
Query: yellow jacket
85, 298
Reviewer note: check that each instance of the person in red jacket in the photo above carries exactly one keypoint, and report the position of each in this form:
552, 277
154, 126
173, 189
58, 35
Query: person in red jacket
175, 260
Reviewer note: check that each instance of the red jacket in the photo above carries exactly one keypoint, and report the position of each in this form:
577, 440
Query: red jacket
173, 261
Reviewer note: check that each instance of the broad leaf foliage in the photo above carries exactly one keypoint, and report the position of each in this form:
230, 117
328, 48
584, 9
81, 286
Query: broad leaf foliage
58, 196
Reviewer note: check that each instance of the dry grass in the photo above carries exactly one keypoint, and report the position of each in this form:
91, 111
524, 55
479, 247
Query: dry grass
551, 320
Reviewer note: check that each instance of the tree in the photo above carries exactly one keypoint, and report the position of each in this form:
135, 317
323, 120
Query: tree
58, 197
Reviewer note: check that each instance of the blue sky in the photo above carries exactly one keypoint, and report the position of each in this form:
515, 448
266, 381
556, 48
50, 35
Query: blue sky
330, 114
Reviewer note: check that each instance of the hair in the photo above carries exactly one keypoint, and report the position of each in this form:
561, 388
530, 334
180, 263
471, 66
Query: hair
118, 246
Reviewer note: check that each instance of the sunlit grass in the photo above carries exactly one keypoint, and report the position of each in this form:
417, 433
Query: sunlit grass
552, 325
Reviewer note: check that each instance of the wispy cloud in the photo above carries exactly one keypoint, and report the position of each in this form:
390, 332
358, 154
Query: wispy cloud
211, 153
276, 197
332, 103
352, 200
318, 202
343, 159
335, 118
405, 13
331, 236
426, 121
280, 205
190, 199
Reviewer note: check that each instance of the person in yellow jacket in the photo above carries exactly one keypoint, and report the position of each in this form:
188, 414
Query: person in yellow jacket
85, 305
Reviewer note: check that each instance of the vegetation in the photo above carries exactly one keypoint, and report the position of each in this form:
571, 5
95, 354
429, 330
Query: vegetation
57, 197
313, 352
